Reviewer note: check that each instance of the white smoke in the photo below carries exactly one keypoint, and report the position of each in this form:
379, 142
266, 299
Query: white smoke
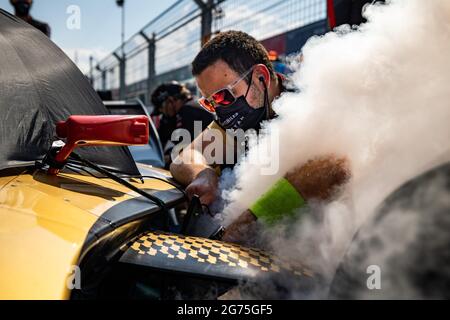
378, 95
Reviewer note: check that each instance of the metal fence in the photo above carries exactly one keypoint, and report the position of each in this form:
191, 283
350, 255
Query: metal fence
163, 49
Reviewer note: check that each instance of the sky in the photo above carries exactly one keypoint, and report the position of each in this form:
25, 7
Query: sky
100, 24
99, 30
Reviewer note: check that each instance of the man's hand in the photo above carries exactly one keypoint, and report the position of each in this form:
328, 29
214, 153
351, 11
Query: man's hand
205, 186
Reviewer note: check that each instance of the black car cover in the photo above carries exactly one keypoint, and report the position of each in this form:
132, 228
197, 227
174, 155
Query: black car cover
39, 85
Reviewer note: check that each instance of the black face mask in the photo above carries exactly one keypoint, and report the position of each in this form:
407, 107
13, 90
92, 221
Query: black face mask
22, 8
240, 115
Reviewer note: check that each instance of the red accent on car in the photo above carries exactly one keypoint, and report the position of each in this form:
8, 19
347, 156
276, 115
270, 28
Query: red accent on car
81, 131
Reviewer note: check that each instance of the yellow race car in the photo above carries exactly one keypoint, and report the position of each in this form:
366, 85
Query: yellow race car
79, 218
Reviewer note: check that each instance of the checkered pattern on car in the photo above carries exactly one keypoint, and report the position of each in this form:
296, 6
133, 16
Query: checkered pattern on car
211, 252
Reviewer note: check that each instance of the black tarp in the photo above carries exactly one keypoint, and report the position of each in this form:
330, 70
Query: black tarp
39, 85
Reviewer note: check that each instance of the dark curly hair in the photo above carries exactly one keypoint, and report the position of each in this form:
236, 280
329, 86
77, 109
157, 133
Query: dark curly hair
237, 49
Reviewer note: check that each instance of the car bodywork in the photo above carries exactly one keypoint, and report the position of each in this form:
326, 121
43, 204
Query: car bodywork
61, 231
48, 223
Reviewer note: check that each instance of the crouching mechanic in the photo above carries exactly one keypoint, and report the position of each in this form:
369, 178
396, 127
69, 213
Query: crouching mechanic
238, 84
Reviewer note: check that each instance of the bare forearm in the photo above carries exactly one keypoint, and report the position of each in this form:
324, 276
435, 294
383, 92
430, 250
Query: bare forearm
186, 173
319, 179
187, 165
199, 178
242, 229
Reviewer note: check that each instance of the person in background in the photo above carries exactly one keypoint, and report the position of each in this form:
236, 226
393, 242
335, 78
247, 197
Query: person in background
178, 110
22, 10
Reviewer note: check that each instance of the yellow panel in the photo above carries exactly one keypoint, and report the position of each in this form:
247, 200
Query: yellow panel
44, 221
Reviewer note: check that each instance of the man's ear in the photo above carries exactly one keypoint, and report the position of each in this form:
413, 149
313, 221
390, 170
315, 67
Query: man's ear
262, 74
